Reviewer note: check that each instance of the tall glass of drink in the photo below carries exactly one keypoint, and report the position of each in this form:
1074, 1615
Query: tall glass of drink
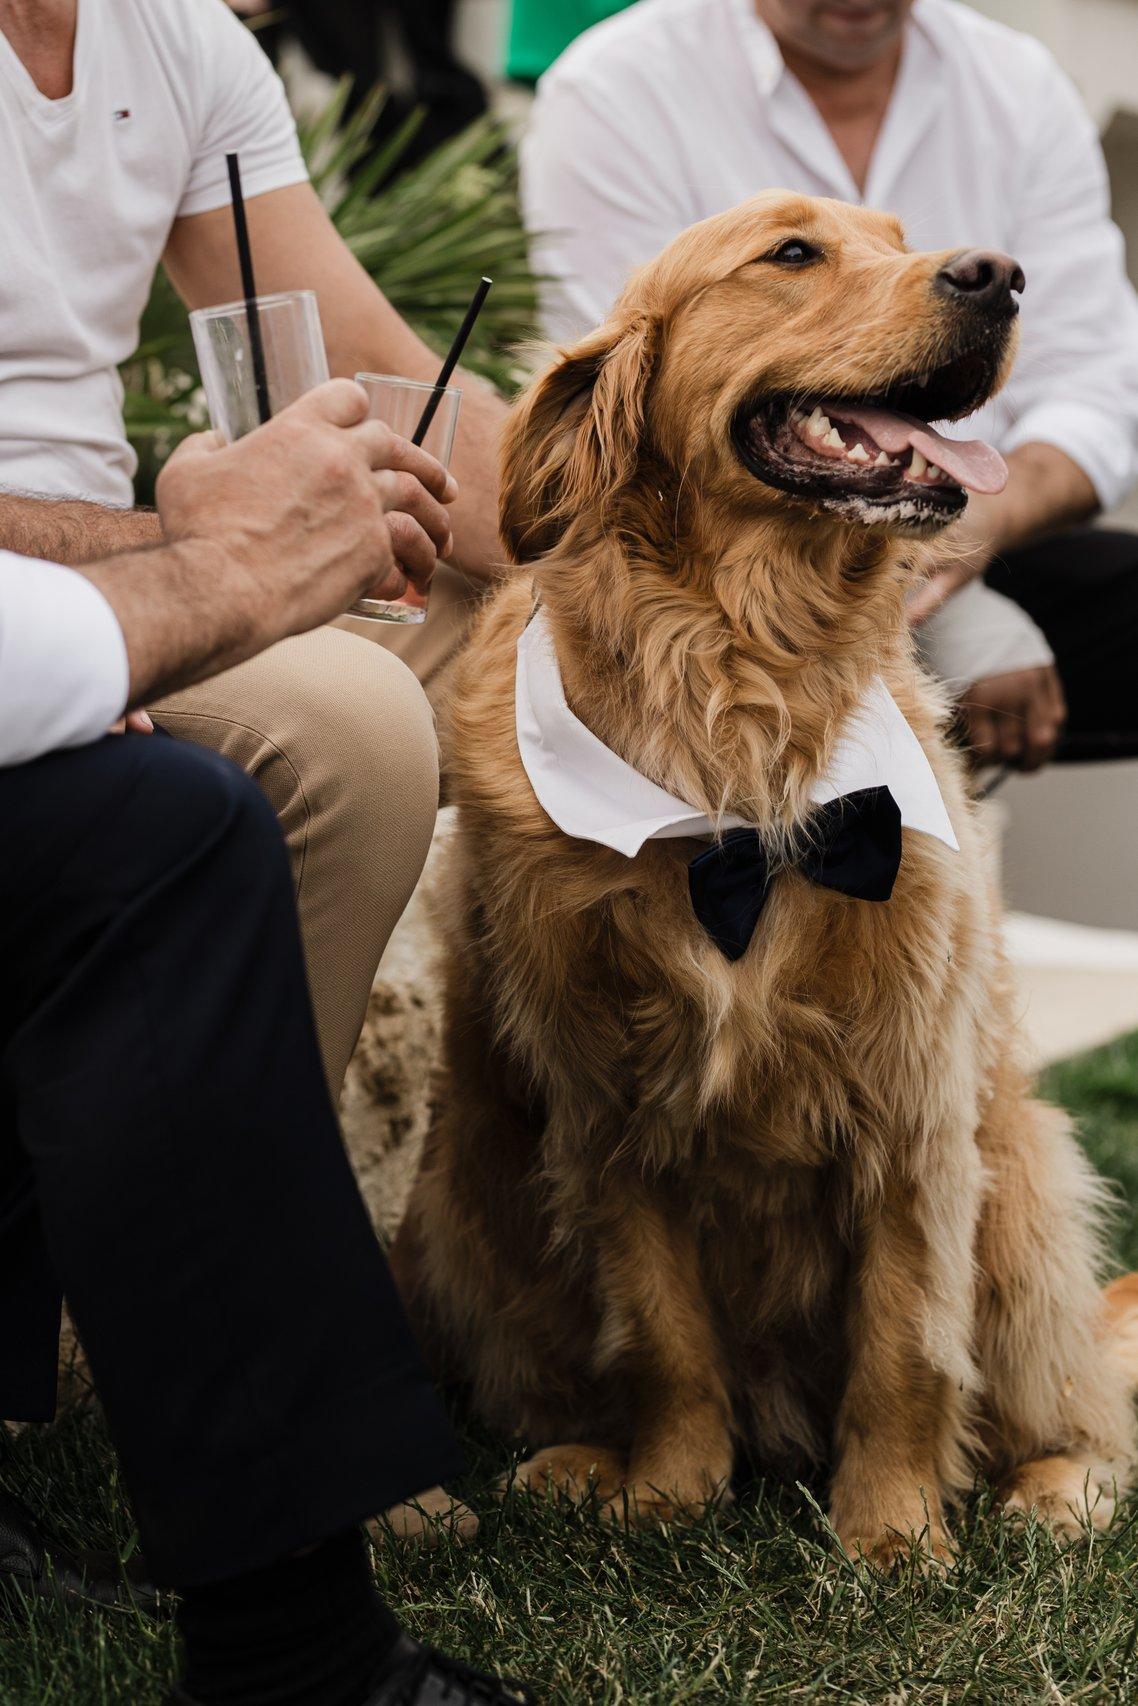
401, 403
294, 357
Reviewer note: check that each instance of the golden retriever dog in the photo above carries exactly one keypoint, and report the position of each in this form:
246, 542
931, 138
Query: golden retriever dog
798, 1203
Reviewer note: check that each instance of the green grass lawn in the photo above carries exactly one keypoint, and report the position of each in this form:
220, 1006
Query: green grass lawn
750, 1606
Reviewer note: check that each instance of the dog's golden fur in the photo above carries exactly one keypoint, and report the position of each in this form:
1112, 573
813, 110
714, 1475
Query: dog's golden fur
802, 1204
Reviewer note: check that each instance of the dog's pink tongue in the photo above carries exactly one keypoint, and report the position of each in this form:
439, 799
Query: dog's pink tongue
970, 462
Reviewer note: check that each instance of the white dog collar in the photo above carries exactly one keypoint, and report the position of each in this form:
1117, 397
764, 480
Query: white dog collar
591, 792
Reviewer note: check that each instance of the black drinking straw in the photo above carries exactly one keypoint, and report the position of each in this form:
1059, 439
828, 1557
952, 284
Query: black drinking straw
451, 361
252, 316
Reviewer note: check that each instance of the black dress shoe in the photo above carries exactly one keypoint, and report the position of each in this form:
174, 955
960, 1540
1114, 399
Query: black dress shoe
37, 1568
415, 1675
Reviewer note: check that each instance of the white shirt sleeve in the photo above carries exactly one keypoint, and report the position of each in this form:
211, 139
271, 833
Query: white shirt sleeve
978, 633
64, 674
244, 110
1076, 378
597, 204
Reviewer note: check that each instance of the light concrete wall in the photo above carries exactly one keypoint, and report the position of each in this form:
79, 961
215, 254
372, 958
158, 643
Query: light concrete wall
480, 35
1071, 845
1096, 42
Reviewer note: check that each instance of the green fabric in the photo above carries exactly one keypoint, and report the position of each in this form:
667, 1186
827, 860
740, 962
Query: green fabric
541, 29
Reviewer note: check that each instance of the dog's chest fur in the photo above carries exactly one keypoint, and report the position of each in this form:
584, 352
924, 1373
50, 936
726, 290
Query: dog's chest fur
819, 1043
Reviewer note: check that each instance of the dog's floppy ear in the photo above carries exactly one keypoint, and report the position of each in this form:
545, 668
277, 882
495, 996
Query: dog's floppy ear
573, 439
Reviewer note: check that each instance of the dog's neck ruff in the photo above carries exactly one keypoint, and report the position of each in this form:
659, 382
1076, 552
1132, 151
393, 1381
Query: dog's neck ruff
592, 793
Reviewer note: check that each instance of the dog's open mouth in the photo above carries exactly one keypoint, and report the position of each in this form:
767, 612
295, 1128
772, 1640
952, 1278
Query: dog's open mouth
876, 459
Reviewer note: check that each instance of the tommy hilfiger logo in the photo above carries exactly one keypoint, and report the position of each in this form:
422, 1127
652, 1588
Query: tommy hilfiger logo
121, 114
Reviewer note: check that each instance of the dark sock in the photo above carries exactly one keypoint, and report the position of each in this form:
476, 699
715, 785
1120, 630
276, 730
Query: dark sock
303, 1631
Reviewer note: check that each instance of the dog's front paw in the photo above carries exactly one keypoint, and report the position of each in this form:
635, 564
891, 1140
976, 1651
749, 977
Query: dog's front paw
930, 1548
641, 1504
427, 1520
1070, 1496
578, 1473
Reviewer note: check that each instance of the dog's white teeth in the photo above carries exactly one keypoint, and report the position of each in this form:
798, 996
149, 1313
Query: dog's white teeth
883, 460
857, 453
834, 439
935, 473
818, 422
800, 415
917, 466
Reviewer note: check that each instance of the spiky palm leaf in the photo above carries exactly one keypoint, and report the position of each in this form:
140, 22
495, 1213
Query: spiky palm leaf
425, 234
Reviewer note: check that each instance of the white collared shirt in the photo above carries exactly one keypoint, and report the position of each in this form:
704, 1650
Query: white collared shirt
678, 109
592, 793
64, 674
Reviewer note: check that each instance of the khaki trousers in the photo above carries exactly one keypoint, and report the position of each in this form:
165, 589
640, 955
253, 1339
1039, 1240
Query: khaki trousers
340, 735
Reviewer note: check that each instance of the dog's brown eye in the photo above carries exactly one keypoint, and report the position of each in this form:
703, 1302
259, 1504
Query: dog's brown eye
794, 253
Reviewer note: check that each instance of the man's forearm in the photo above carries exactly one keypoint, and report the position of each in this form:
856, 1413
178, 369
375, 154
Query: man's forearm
70, 531
1046, 490
271, 536
182, 615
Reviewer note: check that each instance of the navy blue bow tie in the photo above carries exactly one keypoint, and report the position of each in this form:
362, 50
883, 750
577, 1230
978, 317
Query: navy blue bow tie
852, 844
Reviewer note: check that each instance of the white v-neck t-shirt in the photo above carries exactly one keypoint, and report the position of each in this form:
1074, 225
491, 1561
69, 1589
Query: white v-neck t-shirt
89, 188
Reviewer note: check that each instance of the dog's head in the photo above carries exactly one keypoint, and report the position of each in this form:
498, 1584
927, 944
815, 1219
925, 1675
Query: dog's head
784, 358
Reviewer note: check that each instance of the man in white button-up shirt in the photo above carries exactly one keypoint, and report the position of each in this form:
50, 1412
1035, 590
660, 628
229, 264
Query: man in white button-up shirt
677, 109
170, 1159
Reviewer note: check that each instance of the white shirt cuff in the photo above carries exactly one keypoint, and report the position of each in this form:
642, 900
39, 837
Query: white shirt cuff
64, 671
978, 633
1101, 444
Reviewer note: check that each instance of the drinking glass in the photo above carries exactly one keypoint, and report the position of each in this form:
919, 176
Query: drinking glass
400, 403
293, 345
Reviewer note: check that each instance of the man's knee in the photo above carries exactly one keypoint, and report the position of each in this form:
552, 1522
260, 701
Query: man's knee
127, 799
197, 800
336, 731
353, 767
187, 814
377, 781
107, 833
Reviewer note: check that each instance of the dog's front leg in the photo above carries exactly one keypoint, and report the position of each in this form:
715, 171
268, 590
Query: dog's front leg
659, 1336
902, 1429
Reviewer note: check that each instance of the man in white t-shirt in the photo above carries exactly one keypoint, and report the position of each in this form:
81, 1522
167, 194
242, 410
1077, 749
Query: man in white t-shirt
115, 119
678, 109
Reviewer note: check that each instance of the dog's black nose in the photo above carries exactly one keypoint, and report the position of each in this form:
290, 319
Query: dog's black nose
981, 278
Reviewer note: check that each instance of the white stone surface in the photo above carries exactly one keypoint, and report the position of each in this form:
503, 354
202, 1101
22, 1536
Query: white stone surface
1050, 942
1078, 986
1064, 1011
